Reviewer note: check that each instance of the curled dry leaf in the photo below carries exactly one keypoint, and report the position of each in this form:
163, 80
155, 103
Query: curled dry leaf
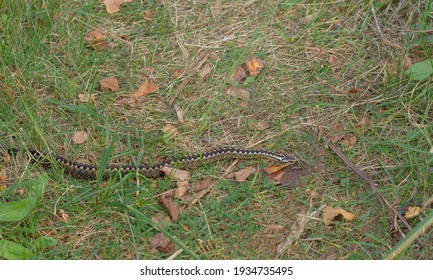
179, 112
412, 212
87, 97
80, 137
329, 213
254, 66
173, 209
146, 88
176, 174
237, 92
182, 188
97, 40
243, 174
205, 70
113, 6
169, 131
275, 168
238, 75
109, 83
161, 243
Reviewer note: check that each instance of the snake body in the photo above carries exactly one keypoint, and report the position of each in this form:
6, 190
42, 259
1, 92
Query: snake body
92, 171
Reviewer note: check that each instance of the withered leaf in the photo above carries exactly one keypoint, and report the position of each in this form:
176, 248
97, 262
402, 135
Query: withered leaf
176, 174
97, 40
146, 88
349, 140
80, 137
179, 112
329, 213
243, 174
163, 244
113, 6
254, 66
275, 168
86, 97
63, 215
161, 220
173, 209
198, 190
238, 75
412, 212
169, 131
274, 227
109, 83
205, 70
238, 92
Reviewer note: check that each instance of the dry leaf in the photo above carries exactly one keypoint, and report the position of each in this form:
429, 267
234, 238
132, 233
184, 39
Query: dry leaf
163, 244
161, 220
307, 19
173, 209
109, 83
427, 202
313, 194
254, 66
86, 97
365, 121
412, 212
182, 188
349, 140
148, 15
198, 190
131, 101
113, 6
183, 83
431, 150
176, 174
97, 40
169, 131
243, 174
334, 60
65, 217
329, 213
179, 112
354, 90
274, 227
205, 70
3, 180
277, 177
275, 168
237, 92
146, 88
80, 137
238, 75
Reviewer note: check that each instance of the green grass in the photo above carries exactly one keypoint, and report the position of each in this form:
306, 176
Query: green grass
45, 65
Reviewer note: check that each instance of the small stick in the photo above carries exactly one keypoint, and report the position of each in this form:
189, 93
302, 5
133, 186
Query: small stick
370, 182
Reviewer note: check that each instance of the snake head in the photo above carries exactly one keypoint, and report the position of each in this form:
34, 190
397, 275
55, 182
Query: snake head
286, 158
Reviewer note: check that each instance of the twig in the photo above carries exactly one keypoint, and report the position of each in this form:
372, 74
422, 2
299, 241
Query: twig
370, 182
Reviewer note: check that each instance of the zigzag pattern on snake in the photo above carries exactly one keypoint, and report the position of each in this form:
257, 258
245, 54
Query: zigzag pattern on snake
91, 171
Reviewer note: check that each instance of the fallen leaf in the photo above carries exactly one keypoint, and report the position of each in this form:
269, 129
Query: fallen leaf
274, 227
183, 83
329, 213
307, 19
277, 177
182, 188
198, 190
237, 92
260, 125
80, 137
313, 194
412, 212
275, 168
427, 202
169, 131
180, 113
3, 180
97, 40
148, 15
173, 209
161, 220
161, 243
365, 121
238, 75
113, 6
64, 216
131, 101
86, 97
349, 140
205, 70
354, 90
176, 174
254, 66
243, 174
179, 73
146, 88
109, 83
334, 60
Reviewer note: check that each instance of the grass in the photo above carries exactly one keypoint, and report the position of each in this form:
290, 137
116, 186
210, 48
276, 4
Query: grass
45, 65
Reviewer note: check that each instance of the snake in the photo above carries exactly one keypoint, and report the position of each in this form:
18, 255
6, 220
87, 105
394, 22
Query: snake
93, 171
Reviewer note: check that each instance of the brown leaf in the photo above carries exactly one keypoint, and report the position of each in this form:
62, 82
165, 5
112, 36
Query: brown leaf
86, 97
176, 174
329, 213
64, 216
274, 227
80, 137
163, 244
183, 83
179, 112
238, 75
131, 101
148, 15
335, 60
243, 174
182, 188
173, 209
113, 6
97, 40
161, 220
109, 83
412, 212
365, 121
237, 92
277, 177
354, 90
198, 190
3, 180
146, 88
254, 66
169, 131
275, 168
205, 70
307, 19
349, 140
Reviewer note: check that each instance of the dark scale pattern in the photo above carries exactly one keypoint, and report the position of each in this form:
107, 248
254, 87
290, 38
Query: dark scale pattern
90, 171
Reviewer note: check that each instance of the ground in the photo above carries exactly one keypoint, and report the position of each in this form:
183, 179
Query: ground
333, 71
